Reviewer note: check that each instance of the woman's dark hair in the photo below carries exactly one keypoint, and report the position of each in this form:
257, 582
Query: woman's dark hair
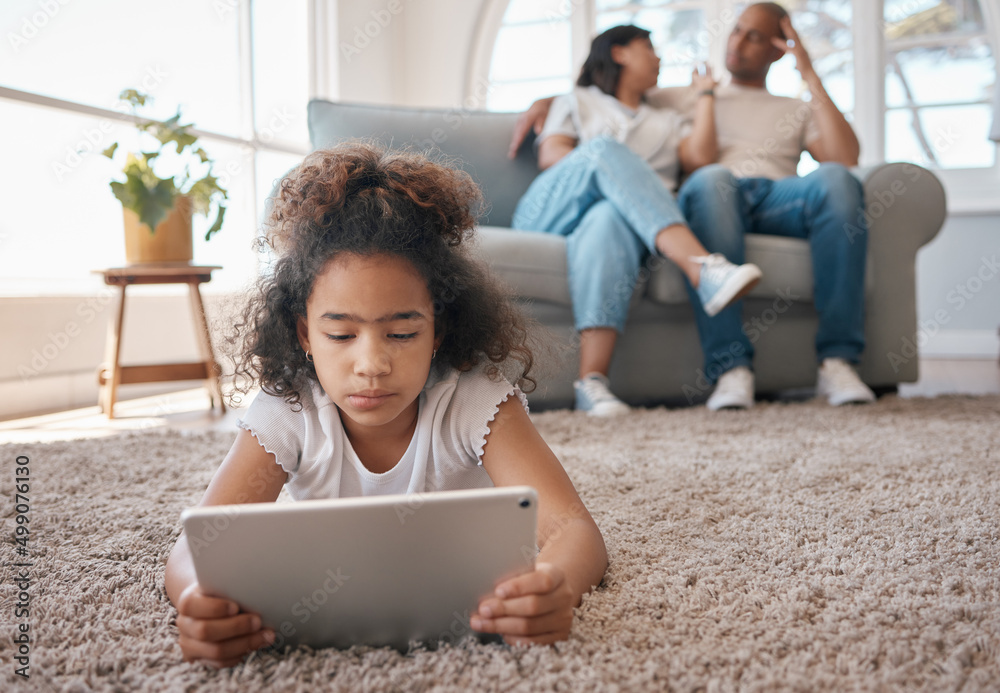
363, 199
599, 68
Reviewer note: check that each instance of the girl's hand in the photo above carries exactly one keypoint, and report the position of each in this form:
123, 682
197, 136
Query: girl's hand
703, 82
534, 608
214, 630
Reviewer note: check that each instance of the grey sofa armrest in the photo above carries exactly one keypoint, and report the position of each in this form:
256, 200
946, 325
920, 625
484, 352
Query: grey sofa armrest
919, 219
905, 207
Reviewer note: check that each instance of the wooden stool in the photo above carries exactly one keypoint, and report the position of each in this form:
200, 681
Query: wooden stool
112, 374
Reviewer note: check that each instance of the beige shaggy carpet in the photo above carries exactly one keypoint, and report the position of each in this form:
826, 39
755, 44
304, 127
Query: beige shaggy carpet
794, 547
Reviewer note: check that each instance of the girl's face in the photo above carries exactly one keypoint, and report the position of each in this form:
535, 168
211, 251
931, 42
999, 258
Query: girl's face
369, 328
639, 62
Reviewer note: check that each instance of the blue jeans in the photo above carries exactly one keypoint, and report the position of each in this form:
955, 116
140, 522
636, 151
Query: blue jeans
824, 207
610, 205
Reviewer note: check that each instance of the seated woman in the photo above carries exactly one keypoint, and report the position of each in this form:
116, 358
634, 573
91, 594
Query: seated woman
609, 165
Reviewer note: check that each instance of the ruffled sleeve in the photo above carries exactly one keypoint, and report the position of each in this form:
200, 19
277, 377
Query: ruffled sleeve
278, 429
473, 405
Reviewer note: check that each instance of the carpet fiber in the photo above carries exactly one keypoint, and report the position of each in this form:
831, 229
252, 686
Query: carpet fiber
791, 547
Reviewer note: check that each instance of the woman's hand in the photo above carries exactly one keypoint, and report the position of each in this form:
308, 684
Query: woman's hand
534, 608
703, 82
214, 630
701, 147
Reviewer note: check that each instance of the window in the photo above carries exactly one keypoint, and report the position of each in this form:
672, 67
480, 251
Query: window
939, 61
535, 40
940, 71
677, 32
62, 68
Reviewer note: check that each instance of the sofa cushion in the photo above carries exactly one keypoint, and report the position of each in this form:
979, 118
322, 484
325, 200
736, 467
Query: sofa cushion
533, 264
475, 140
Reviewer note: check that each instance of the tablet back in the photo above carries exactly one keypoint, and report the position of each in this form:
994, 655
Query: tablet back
377, 570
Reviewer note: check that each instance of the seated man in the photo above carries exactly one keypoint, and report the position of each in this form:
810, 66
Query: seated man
754, 189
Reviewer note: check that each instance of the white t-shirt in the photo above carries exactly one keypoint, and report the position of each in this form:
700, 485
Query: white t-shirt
760, 135
445, 453
653, 133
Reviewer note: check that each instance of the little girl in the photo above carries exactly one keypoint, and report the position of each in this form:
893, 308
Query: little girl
377, 344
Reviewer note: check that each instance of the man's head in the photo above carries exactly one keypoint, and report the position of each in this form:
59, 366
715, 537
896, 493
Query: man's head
750, 49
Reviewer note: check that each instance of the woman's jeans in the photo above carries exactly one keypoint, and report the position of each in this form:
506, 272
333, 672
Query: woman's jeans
826, 208
610, 205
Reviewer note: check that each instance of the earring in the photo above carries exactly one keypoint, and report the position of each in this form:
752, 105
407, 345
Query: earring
433, 354
308, 357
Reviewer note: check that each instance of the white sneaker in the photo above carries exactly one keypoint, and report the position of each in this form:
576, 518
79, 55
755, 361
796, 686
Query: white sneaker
838, 382
733, 391
593, 395
721, 282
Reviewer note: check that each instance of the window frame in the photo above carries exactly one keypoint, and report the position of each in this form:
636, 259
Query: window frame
322, 64
971, 191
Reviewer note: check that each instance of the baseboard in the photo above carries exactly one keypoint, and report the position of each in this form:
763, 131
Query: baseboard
64, 391
962, 344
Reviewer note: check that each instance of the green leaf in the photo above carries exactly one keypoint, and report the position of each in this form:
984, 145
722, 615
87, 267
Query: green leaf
154, 204
177, 135
110, 151
202, 154
123, 194
203, 191
144, 192
217, 224
135, 98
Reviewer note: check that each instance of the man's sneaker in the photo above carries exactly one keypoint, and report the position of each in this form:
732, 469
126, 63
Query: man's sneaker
594, 397
838, 382
733, 391
721, 282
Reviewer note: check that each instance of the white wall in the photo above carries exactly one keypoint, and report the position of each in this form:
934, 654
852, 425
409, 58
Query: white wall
958, 289
56, 343
405, 52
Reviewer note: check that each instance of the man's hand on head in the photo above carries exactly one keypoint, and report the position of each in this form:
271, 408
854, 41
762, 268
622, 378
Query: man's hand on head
793, 44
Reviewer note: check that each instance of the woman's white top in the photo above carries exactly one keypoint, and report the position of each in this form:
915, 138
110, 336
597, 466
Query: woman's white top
653, 133
455, 411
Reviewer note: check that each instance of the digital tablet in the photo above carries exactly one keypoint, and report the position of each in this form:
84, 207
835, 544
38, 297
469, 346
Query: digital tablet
376, 570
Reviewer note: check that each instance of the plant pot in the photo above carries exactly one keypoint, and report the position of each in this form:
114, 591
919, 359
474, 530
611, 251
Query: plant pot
170, 243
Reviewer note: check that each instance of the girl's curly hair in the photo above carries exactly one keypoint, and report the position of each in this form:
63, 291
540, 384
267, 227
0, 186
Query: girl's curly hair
361, 198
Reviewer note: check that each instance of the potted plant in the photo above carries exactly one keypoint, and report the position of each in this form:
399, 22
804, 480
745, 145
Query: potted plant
157, 210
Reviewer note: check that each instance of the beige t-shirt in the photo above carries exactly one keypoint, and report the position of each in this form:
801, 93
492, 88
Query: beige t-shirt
760, 135
653, 133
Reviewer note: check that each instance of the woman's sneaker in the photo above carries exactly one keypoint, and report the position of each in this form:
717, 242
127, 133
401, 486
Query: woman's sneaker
593, 396
721, 282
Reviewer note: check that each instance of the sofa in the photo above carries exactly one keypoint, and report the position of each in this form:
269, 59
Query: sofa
658, 359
